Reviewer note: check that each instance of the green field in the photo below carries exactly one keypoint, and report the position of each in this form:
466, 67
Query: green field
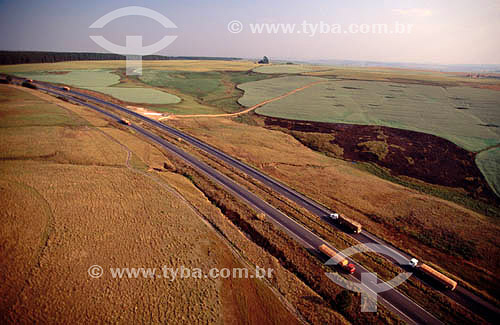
201, 89
489, 163
465, 116
106, 82
259, 91
198, 84
138, 95
469, 117
186, 86
77, 78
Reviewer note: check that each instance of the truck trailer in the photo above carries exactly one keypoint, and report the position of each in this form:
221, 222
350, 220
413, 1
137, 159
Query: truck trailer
338, 259
350, 224
436, 275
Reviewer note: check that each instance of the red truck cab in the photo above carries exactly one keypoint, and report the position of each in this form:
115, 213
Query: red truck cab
350, 268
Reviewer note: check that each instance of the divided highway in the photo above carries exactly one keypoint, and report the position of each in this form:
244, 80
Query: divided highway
460, 295
395, 301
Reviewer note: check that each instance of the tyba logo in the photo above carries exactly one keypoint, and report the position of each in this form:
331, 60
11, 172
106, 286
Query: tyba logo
369, 286
133, 49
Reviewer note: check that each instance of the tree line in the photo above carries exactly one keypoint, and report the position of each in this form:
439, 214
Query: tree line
20, 57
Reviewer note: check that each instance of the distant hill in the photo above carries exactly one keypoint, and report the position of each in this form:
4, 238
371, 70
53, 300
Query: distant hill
20, 57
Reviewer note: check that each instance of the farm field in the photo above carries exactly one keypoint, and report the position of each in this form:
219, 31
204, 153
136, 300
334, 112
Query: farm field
446, 170
76, 78
426, 77
198, 84
138, 95
104, 81
91, 202
269, 163
207, 87
284, 153
435, 230
179, 65
445, 79
290, 68
489, 163
259, 91
216, 89
468, 117
187, 87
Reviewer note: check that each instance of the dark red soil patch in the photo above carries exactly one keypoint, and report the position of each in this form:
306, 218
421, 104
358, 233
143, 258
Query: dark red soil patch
418, 155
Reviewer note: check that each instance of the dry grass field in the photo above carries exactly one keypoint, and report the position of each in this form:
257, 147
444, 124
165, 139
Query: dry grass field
445, 171
86, 199
290, 68
175, 65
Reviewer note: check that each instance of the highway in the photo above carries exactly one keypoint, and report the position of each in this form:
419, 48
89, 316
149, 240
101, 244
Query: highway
392, 299
461, 295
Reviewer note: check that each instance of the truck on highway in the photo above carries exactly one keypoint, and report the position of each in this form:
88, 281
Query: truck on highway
436, 275
338, 259
350, 224
28, 83
126, 122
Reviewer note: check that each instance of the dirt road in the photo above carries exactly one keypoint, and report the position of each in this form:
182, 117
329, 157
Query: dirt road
247, 109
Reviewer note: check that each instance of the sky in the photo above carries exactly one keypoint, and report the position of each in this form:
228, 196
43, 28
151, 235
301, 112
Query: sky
442, 32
